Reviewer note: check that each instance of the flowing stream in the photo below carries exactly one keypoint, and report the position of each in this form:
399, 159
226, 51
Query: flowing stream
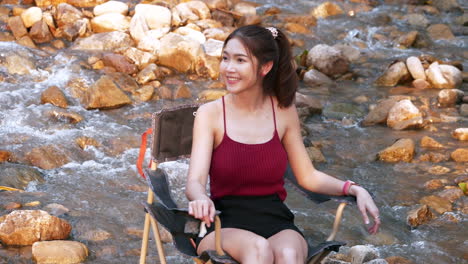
101, 187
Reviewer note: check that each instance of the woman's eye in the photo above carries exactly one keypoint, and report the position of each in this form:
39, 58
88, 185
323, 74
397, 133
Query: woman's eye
240, 60
224, 58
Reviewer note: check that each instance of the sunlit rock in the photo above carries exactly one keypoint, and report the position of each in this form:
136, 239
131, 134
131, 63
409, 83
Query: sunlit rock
220, 34
56, 209
404, 115
138, 27
119, 62
440, 31
24, 227
151, 41
140, 58
460, 133
435, 157
47, 157
111, 7
421, 84
361, 254
17, 27
66, 116
144, 94
5, 156
110, 22
73, 30
85, 3
95, 235
104, 94
250, 20
31, 16
245, 8
67, 14
182, 91
315, 78
40, 32
208, 23
179, 53
83, 142
415, 68
451, 194
449, 97
326, 9
328, 60
191, 34
27, 42
213, 48
402, 150
434, 184
211, 94
188, 12
16, 64
157, 17
124, 81
428, 142
379, 113
147, 74
59, 251
12, 206
46, 3
396, 73
460, 155
18, 176
452, 74
419, 216
108, 41
438, 204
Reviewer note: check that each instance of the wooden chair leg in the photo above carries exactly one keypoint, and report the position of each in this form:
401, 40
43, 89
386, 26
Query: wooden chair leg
336, 225
198, 261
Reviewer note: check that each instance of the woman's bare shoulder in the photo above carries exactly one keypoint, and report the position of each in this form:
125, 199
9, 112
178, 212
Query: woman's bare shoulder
210, 110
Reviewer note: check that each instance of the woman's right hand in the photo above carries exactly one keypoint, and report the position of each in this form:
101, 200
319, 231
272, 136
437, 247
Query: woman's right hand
202, 209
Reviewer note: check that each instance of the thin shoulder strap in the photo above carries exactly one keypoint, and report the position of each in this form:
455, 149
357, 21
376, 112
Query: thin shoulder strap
224, 116
273, 107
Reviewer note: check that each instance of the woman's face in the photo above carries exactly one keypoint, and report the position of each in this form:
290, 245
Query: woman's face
238, 68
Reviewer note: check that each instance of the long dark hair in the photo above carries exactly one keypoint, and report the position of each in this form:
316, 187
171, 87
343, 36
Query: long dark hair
282, 79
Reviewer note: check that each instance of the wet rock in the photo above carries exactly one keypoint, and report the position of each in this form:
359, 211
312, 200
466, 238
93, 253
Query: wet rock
179, 53
315, 154
440, 32
460, 133
339, 111
434, 184
6, 36
464, 110
398, 260
5, 156
18, 176
156, 17
116, 7
73, 30
360, 254
182, 91
17, 27
108, 41
460, 155
428, 142
40, 32
17, 64
96, 235
47, 157
326, 9
53, 95
24, 227
119, 62
419, 216
404, 115
59, 251
67, 14
144, 94
83, 142
407, 40
104, 94
377, 261
85, 3
353, 54
402, 150
70, 117
210, 94
328, 60
56, 209
110, 22
446, 5
438, 204
296, 28
124, 81
12, 206
379, 114
435, 158
451, 194
315, 78
421, 84
418, 20
396, 73
140, 58
415, 68
189, 12
147, 74
27, 42
31, 15
164, 92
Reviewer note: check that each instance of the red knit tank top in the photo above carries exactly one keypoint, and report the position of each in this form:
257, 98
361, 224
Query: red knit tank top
248, 169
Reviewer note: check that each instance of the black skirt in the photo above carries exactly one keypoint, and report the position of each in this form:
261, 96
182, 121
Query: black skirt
262, 215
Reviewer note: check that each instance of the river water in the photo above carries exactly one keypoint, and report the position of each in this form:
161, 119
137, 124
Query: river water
101, 188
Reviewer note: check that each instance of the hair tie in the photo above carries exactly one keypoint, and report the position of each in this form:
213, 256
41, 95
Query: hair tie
274, 32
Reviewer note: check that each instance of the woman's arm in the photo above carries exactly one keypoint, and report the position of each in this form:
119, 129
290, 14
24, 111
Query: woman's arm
316, 181
200, 205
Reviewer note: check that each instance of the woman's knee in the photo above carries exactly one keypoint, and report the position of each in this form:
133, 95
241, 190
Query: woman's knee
261, 250
288, 255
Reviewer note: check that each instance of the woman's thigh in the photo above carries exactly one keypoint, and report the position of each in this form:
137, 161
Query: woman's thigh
236, 242
286, 241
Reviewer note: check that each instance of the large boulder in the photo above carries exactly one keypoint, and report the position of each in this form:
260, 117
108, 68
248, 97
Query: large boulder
328, 60
110, 22
31, 15
404, 115
116, 7
104, 94
402, 150
189, 12
53, 95
379, 113
396, 73
179, 53
24, 227
47, 157
108, 41
59, 251
156, 17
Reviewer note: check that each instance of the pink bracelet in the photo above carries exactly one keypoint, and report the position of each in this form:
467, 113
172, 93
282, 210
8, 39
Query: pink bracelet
347, 185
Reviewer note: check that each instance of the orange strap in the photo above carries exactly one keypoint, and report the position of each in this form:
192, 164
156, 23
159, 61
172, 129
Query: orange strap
141, 156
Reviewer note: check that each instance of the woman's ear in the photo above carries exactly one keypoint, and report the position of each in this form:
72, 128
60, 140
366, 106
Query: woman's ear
266, 68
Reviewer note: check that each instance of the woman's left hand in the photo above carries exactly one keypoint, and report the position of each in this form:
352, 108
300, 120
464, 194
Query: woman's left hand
366, 205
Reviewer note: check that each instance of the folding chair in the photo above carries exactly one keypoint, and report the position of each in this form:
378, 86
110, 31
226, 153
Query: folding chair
172, 137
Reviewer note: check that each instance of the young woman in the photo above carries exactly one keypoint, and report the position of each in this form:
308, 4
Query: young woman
244, 142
